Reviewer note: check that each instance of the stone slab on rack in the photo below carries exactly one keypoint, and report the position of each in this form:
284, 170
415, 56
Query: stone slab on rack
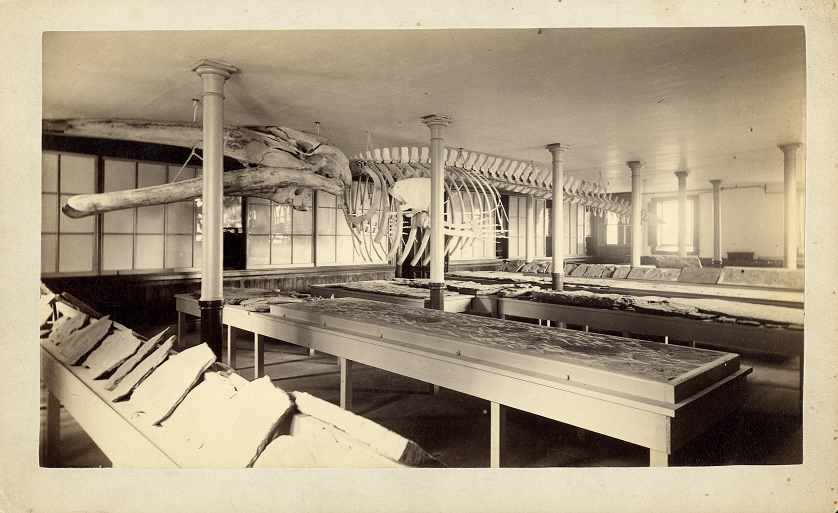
115, 349
158, 395
227, 421
676, 262
131, 363
82, 341
65, 326
621, 271
762, 277
144, 369
705, 275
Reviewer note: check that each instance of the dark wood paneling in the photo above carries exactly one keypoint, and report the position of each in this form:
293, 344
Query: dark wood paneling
143, 300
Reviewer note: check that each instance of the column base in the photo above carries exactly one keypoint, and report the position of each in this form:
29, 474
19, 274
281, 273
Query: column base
558, 281
211, 326
437, 296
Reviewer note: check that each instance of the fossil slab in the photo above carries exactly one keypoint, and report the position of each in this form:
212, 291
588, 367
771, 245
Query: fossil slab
159, 394
128, 365
114, 349
706, 275
65, 326
377, 437
84, 340
139, 373
226, 422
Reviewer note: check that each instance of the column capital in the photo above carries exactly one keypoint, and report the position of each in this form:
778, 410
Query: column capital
789, 146
635, 166
557, 147
790, 150
433, 120
682, 174
216, 68
716, 182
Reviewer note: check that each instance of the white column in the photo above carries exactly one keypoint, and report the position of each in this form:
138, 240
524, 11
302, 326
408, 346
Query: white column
790, 236
717, 222
530, 235
557, 150
636, 212
437, 125
682, 212
213, 76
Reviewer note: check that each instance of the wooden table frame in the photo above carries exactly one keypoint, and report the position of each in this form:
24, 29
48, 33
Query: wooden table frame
659, 426
127, 442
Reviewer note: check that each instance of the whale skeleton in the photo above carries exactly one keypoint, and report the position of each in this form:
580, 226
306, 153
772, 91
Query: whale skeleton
278, 163
472, 183
376, 190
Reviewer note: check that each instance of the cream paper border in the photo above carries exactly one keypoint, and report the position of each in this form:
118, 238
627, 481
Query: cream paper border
25, 487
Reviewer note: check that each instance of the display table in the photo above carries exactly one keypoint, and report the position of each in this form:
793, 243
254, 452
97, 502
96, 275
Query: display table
235, 317
451, 302
655, 395
723, 334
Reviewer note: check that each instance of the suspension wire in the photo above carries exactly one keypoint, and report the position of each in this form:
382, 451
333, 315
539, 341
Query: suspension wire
191, 154
195, 102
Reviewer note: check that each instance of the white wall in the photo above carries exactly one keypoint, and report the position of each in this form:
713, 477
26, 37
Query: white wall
752, 220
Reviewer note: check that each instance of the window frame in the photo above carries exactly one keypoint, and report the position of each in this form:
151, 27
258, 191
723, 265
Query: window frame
654, 228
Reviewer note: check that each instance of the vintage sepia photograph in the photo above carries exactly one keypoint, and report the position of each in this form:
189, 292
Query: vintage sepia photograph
348, 265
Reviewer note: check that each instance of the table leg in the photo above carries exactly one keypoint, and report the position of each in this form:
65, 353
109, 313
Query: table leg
497, 435
312, 352
345, 384
232, 335
258, 356
659, 459
181, 330
52, 434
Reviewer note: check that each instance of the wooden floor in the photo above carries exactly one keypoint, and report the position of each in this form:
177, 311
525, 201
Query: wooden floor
455, 427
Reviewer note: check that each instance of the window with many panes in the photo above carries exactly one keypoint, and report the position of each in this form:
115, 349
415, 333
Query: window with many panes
128, 240
67, 245
664, 236
151, 237
517, 227
576, 221
617, 230
278, 234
